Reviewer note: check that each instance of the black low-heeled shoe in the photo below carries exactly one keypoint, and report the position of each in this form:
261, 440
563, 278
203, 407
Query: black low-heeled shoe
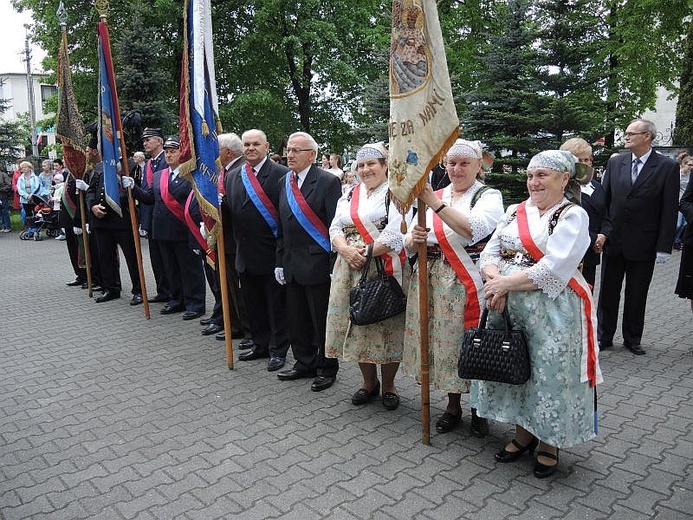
511, 456
542, 470
479, 427
447, 422
390, 401
363, 396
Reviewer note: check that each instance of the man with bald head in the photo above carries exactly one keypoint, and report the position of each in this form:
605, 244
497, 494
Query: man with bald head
252, 198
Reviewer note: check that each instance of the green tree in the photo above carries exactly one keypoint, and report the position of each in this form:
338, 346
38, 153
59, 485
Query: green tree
683, 133
567, 74
13, 136
504, 109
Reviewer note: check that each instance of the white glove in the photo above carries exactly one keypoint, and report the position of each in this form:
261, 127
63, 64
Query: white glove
662, 257
77, 230
88, 229
142, 232
197, 252
203, 230
127, 182
81, 185
279, 275
221, 198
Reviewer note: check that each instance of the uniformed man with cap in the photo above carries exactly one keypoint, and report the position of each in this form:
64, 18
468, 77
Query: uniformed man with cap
153, 143
111, 230
168, 193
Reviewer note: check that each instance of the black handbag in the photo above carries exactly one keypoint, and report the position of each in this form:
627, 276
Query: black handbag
371, 301
499, 355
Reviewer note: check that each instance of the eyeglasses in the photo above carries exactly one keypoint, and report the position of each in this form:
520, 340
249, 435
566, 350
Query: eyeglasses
631, 134
298, 150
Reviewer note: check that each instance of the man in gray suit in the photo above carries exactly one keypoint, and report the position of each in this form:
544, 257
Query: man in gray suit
641, 189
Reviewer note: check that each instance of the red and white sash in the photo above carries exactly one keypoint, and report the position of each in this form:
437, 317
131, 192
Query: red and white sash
369, 232
452, 246
589, 368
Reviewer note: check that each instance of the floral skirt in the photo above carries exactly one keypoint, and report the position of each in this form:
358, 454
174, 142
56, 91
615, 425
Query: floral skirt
554, 404
446, 300
378, 343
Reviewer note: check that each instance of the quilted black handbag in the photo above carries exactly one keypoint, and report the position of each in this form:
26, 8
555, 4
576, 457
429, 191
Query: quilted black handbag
371, 301
499, 355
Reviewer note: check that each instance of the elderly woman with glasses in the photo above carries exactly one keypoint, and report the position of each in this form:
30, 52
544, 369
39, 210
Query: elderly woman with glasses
531, 266
458, 217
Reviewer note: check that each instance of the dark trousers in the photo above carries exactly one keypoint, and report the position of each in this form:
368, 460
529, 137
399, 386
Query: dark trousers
73, 252
266, 303
307, 306
95, 258
638, 276
155, 257
184, 274
239, 315
109, 240
589, 272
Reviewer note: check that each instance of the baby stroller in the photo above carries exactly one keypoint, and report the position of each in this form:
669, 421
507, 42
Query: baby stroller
43, 218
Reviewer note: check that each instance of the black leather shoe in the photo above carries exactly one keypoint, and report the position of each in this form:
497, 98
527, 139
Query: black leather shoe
390, 401
158, 299
321, 383
363, 396
511, 456
205, 321
107, 297
293, 374
479, 427
254, 353
245, 344
210, 329
603, 345
75, 283
542, 470
172, 309
447, 422
220, 336
275, 363
136, 299
191, 315
635, 349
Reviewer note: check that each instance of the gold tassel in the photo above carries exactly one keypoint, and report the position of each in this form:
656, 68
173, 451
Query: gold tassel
205, 128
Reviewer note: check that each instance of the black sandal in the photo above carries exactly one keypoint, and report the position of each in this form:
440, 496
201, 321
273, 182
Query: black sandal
447, 422
479, 427
542, 470
511, 456
363, 396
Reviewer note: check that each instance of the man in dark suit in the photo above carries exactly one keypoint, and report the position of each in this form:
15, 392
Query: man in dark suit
592, 201
641, 189
231, 157
304, 259
111, 230
252, 197
168, 194
153, 143
69, 204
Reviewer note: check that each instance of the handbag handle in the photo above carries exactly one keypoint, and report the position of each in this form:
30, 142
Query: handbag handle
364, 269
506, 319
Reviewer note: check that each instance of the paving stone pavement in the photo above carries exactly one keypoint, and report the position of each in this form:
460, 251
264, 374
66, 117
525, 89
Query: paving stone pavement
104, 414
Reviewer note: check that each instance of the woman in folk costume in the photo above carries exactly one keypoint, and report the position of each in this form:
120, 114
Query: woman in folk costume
531, 265
366, 216
457, 217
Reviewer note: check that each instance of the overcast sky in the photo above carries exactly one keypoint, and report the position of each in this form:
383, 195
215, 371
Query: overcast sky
13, 36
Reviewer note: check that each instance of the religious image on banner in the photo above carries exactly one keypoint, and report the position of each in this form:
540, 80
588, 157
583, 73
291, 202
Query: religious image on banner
423, 119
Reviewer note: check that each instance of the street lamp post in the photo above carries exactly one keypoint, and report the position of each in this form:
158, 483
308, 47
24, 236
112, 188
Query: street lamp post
30, 91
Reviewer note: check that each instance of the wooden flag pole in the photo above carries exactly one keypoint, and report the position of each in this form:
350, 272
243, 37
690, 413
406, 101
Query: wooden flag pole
423, 331
224, 288
102, 7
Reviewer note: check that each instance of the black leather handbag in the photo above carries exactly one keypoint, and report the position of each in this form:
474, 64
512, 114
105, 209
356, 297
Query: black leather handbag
499, 355
371, 301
